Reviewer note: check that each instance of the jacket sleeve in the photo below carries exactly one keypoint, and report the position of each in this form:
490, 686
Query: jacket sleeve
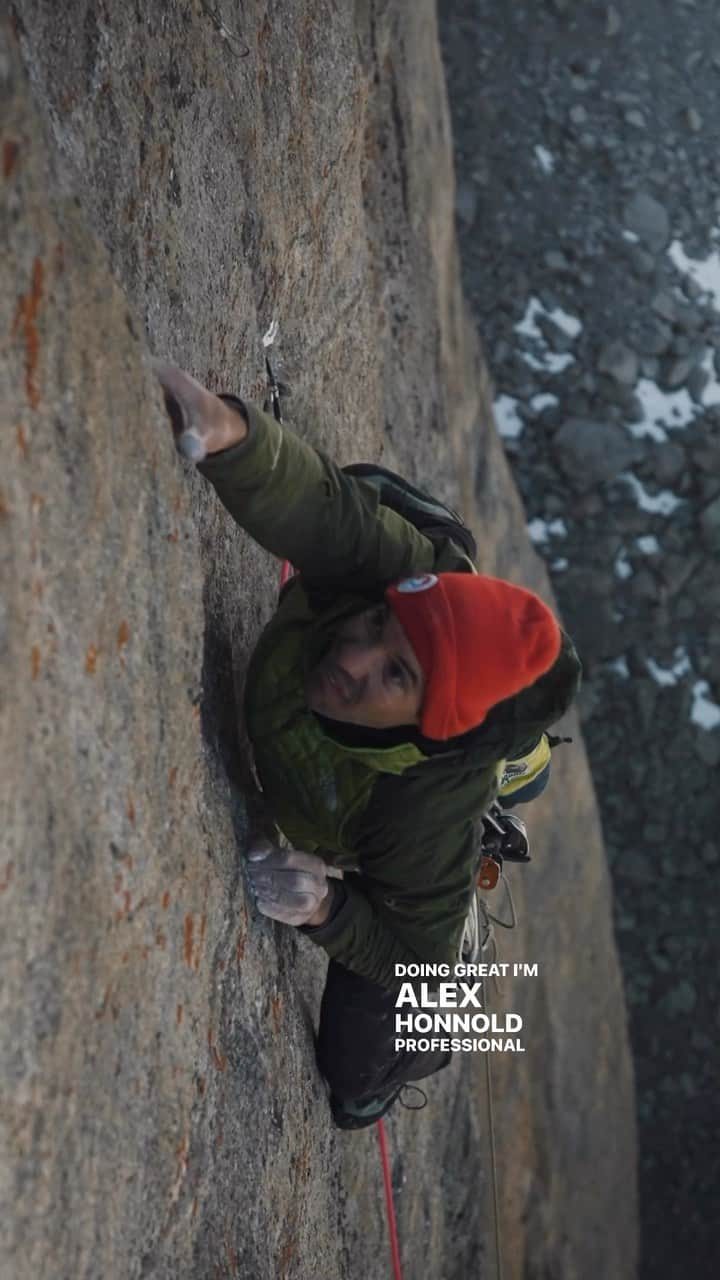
388, 918
418, 847
299, 505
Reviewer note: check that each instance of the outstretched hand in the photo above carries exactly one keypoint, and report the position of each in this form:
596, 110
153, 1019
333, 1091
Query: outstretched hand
291, 886
202, 423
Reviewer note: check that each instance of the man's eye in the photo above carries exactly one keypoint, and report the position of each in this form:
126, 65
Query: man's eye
397, 672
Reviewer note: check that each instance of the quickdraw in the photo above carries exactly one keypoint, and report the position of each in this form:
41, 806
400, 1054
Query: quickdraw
273, 386
505, 837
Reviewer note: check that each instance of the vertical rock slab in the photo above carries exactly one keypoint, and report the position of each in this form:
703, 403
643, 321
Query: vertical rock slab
151, 1052
161, 1110
106, 890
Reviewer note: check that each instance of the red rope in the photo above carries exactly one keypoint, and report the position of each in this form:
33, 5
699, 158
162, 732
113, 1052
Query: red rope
285, 573
394, 1247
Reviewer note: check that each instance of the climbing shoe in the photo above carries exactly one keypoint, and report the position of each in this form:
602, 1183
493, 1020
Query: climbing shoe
358, 1115
349, 1114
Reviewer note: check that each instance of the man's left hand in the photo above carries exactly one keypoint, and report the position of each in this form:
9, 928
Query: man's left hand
291, 886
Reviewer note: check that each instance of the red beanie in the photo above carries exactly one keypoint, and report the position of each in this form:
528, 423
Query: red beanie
478, 640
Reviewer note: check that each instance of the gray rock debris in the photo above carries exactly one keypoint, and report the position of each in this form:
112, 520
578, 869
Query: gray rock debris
669, 462
710, 525
619, 362
678, 372
613, 21
680, 999
589, 615
649, 220
665, 306
663, 65
556, 260
466, 200
697, 382
592, 453
652, 337
694, 119
707, 747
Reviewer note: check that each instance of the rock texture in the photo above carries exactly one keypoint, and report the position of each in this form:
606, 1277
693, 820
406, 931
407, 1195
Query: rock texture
171, 183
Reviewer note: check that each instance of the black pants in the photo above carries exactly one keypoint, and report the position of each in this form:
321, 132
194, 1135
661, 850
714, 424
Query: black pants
356, 1040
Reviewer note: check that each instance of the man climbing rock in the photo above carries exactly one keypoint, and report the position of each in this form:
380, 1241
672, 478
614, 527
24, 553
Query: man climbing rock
384, 702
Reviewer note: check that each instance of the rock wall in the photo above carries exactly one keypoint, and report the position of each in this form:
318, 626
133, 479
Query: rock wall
173, 179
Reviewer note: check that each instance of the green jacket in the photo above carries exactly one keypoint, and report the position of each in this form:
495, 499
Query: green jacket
405, 820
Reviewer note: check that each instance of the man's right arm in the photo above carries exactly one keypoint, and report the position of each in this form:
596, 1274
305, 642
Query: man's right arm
298, 504
295, 501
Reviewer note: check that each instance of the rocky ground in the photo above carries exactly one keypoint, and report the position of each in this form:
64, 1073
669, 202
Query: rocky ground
588, 206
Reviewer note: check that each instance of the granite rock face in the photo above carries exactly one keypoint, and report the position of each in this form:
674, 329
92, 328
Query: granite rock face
171, 183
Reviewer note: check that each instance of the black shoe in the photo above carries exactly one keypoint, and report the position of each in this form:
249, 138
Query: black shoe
358, 1115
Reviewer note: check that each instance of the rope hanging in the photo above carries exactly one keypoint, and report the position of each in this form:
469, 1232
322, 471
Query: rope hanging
394, 1247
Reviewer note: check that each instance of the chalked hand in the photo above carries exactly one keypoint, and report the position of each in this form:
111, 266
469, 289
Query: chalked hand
290, 886
202, 423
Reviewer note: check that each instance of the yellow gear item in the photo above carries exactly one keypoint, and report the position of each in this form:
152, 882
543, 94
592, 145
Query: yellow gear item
515, 774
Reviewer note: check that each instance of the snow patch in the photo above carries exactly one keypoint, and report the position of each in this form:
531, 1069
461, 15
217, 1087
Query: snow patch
667, 676
545, 159
546, 361
543, 401
620, 667
509, 423
705, 271
649, 546
569, 324
528, 325
552, 362
704, 711
711, 392
674, 409
623, 568
540, 530
659, 504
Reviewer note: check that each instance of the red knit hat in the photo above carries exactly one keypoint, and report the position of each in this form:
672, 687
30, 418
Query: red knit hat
478, 640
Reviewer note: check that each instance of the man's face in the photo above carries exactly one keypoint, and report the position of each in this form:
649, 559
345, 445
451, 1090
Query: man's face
370, 676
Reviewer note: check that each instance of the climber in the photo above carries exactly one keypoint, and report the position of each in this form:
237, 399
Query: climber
391, 695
